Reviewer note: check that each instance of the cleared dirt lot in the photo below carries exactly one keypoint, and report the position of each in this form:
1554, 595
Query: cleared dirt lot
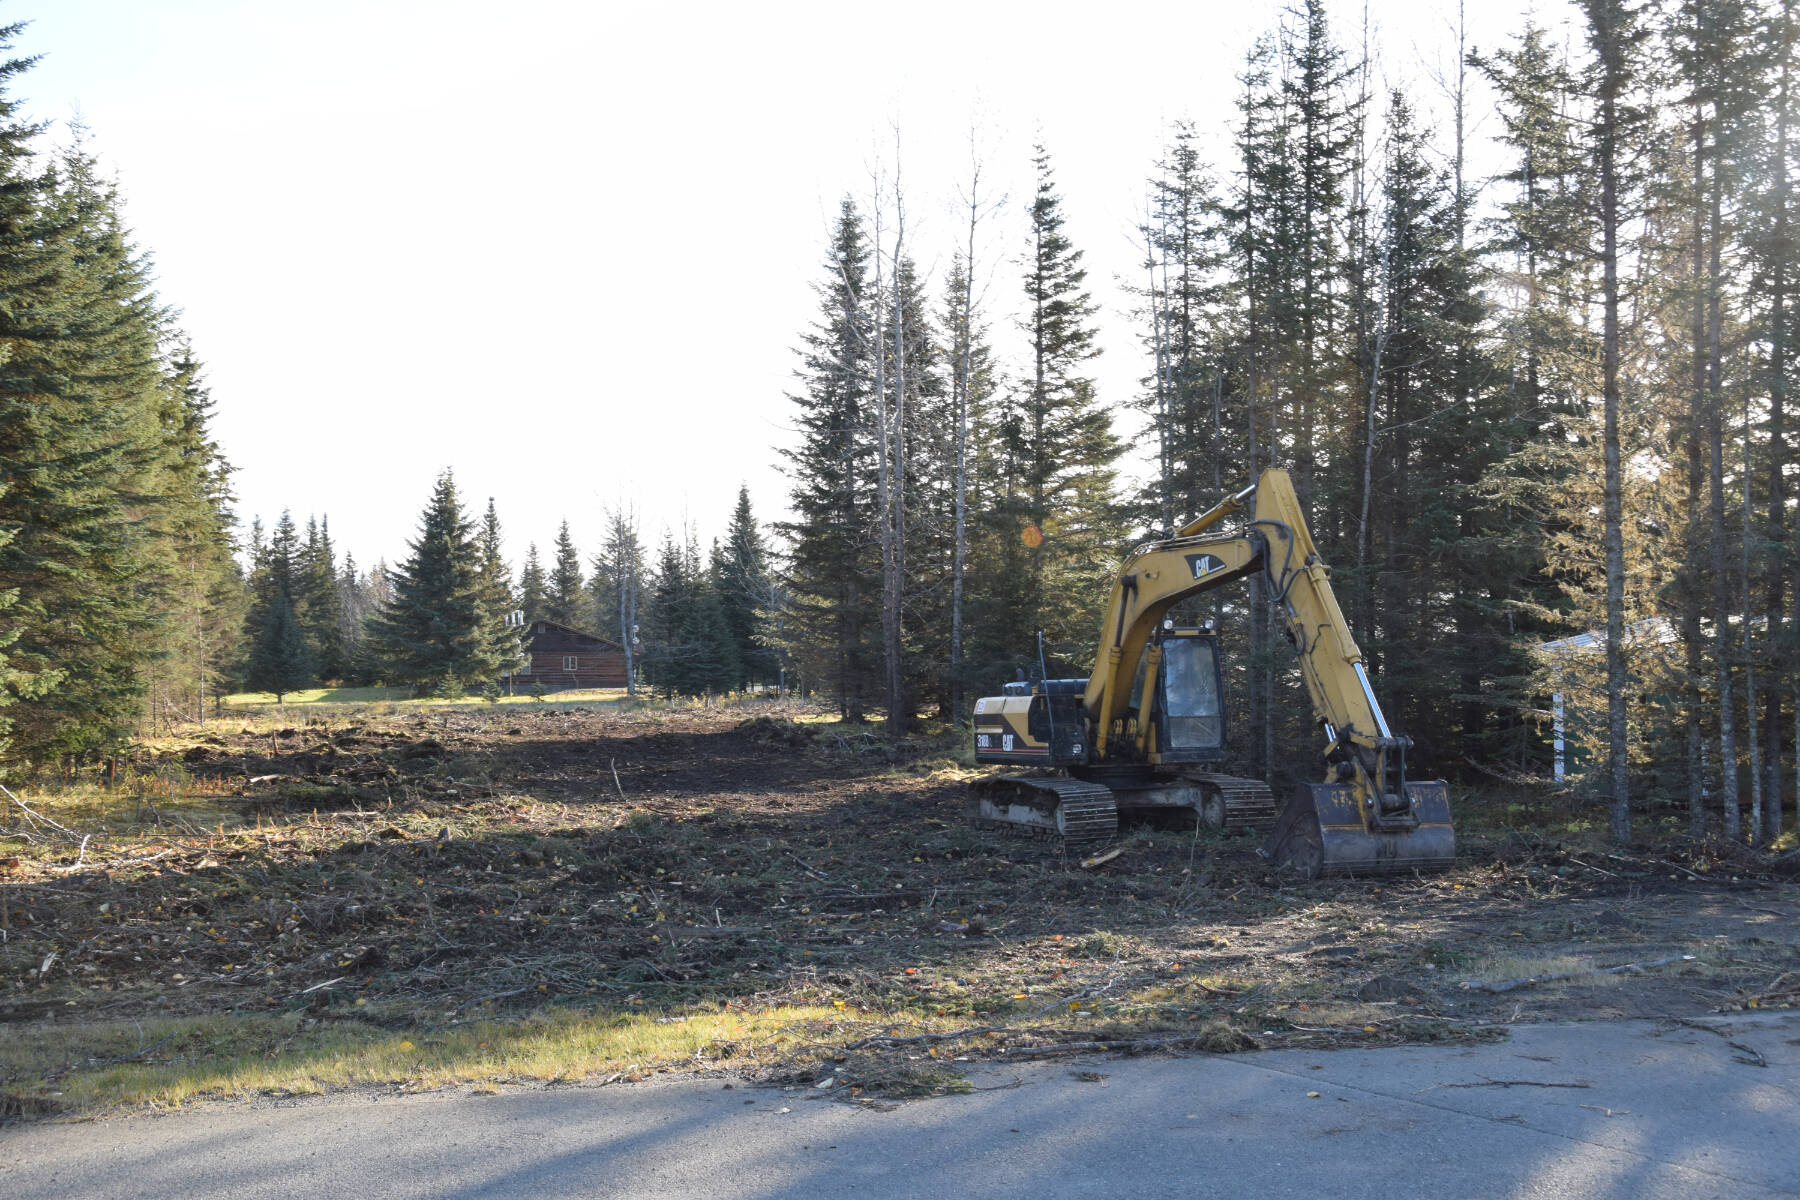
428, 880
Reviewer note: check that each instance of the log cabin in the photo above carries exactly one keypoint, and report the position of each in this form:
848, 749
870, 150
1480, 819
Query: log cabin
558, 657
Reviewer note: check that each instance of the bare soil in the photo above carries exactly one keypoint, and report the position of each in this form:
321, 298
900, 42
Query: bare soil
422, 868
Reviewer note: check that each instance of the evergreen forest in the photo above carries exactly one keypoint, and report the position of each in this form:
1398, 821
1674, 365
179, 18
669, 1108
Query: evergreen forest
1538, 420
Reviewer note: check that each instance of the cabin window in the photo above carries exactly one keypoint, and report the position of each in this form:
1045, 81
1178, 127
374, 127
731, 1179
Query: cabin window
569, 662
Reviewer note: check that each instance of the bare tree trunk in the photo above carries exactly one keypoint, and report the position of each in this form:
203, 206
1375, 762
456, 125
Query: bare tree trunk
1259, 706
1777, 522
200, 642
1158, 325
1469, 621
1751, 730
1359, 257
1715, 395
1691, 635
1218, 431
1608, 137
894, 526
626, 563
1368, 463
884, 467
628, 626
964, 382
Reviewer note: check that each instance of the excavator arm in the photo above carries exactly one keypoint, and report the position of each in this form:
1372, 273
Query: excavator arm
1365, 815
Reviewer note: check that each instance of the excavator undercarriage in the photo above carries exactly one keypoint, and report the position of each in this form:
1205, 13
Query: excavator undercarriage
1086, 809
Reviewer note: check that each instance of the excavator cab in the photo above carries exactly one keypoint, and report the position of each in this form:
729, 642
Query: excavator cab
1188, 709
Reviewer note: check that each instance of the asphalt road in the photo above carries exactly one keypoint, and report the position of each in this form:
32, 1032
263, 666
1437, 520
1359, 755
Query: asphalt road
1628, 1110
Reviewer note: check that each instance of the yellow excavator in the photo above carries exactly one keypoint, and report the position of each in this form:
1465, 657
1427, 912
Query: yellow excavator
1145, 730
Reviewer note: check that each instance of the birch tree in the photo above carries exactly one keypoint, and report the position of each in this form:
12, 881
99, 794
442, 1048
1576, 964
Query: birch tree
618, 582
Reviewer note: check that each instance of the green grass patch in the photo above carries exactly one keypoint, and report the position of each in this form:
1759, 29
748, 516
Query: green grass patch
170, 1062
90, 1068
401, 698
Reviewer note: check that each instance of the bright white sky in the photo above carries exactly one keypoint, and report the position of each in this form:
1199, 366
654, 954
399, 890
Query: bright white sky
567, 248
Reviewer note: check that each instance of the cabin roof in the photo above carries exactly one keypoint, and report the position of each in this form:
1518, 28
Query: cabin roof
557, 634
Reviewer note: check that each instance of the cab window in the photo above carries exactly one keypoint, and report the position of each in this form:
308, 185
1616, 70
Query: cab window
1190, 700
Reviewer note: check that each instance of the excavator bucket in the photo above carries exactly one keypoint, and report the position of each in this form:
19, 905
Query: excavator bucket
1321, 832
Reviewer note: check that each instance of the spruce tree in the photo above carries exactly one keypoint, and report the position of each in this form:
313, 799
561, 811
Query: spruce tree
1261, 230
668, 624
202, 590
715, 666
533, 594
1711, 46
365, 595
688, 645
743, 585
1184, 238
280, 661
1057, 509
1286, 387
317, 604
1541, 344
276, 580
1322, 120
832, 573
81, 440
493, 561
437, 634
1423, 499
496, 580
565, 602
15, 684
1540, 233
927, 488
